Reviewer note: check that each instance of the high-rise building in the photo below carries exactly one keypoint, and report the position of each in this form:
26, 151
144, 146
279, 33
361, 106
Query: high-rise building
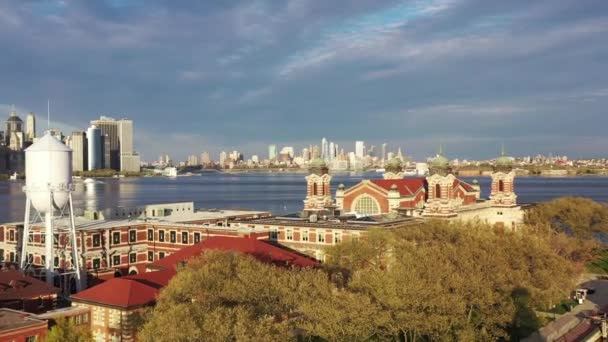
223, 158
30, 127
332, 151
129, 160
324, 149
383, 157
78, 144
359, 149
306, 154
95, 148
192, 160
288, 150
109, 130
13, 134
205, 158
272, 152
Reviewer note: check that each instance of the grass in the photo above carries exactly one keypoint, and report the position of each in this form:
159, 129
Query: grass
600, 264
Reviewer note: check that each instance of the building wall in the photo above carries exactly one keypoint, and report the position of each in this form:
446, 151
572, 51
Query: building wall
109, 324
21, 335
78, 144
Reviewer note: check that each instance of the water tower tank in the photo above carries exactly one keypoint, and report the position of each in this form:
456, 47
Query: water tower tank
48, 169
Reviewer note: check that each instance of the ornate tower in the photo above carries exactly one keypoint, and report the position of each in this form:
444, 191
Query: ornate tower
318, 190
441, 200
393, 169
503, 178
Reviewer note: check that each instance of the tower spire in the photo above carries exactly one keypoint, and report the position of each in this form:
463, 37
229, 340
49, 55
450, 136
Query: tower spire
502, 150
441, 149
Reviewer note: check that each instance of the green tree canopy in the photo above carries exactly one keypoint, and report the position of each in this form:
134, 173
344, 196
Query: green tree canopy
64, 330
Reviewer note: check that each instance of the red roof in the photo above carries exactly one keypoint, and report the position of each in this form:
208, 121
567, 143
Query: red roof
406, 186
261, 250
468, 187
14, 285
142, 289
120, 292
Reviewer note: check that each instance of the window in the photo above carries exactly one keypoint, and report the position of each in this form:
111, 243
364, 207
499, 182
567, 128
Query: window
56, 239
11, 235
31, 339
501, 186
115, 260
184, 237
30, 237
173, 236
96, 240
1, 255
320, 237
116, 238
289, 234
56, 261
314, 188
437, 191
150, 235
161, 235
132, 235
337, 237
150, 256
43, 260
43, 238
96, 263
161, 255
197, 237
30, 258
274, 234
11, 256
366, 205
133, 257
305, 236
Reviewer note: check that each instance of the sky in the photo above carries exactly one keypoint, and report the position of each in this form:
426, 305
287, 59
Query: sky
239, 75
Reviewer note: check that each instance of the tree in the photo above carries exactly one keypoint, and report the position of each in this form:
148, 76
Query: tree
65, 330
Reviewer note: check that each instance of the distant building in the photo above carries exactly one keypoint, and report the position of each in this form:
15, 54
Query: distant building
272, 152
129, 160
223, 158
78, 144
359, 149
95, 148
30, 127
205, 158
193, 160
13, 133
109, 130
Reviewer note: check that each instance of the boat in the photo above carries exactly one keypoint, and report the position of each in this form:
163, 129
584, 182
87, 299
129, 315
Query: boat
380, 170
89, 181
14, 176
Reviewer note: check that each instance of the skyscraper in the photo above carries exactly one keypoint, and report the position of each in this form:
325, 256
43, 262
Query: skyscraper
332, 151
272, 152
324, 149
78, 144
30, 127
109, 130
383, 152
94, 148
223, 157
359, 149
129, 160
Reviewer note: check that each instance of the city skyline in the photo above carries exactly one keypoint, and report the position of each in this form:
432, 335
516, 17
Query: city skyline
471, 74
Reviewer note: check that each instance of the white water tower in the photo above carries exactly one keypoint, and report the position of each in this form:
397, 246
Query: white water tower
48, 189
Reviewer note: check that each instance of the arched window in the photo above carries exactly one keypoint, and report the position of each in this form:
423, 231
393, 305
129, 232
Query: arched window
314, 188
501, 186
366, 205
437, 191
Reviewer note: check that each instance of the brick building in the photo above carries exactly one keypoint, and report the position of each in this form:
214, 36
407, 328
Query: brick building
115, 304
21, 292
19, 326
121, 246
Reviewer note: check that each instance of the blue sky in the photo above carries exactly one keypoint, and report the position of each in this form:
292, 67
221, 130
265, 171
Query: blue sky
223, 75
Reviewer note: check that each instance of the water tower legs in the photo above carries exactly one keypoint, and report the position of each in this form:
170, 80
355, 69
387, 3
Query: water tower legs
75, 253
26, 234
49, 242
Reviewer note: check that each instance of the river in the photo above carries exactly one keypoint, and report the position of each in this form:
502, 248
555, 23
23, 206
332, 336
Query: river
276, 192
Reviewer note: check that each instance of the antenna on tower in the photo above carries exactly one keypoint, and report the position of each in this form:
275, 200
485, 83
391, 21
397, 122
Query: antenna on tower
48, 114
